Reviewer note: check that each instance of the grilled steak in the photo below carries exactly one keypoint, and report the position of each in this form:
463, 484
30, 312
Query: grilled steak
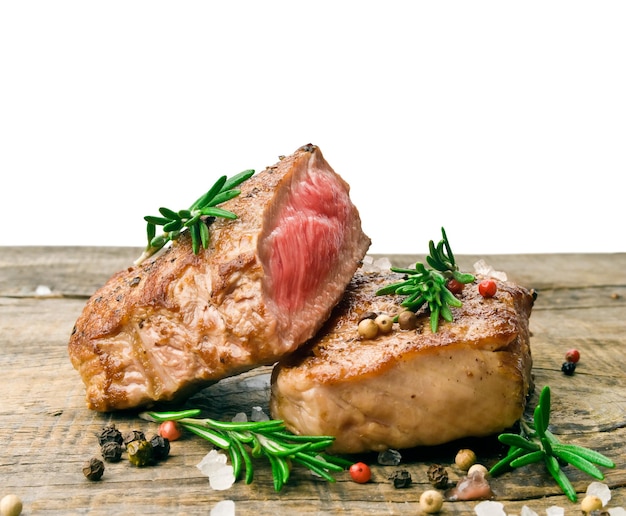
409, 388
264, 286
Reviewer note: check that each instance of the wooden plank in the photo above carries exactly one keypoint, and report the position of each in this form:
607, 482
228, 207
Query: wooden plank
47, 433
78, 271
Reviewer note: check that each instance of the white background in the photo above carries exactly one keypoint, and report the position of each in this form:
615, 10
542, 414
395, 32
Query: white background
504, 122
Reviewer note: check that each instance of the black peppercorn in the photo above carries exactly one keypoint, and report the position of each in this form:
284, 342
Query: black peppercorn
134, 435
401, 479
160, 447
110, 434
93, 469
438, 476
111, 452
568, 368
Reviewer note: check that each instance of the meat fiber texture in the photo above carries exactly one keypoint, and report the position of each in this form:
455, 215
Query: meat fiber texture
409, 388
160, 331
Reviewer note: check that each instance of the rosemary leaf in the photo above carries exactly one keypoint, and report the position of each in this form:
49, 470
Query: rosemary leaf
505, 464
463, 277
174, 225
340, 462
528, 458
195, 238
170, 416
156, 221
236, 459
255, 426
202, 201
277, 472
211, 211
223, 197
326, 439
578, 462
237, 179
552, 465
518, 441
204, 235
151, 231
210, 435
193, 220
247, 461
544, 403
540, 424
169, 214
590, 455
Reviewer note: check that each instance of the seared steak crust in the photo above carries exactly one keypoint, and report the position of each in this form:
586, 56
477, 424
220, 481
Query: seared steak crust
410, 387
170, 326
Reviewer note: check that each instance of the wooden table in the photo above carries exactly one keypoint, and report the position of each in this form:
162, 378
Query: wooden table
47, 433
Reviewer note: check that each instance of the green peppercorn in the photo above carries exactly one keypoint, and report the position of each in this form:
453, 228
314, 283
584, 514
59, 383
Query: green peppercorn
139, 452
93, 469
160, 447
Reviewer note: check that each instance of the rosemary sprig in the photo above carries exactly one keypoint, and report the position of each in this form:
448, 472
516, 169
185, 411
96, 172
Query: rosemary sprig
535, 443
422, 285
195, 219
247, 440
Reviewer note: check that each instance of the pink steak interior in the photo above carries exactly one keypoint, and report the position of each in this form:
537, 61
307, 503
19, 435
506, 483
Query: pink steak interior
307, 239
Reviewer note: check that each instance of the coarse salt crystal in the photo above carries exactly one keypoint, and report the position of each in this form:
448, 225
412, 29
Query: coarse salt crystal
482, 268
211, 462
222, 478
257, 414
617, 511
389, 458
600, 490
382, 263
224, 508
489, 508
527, 511
555, 511
213, 465
240, 417
378, 265
43, 290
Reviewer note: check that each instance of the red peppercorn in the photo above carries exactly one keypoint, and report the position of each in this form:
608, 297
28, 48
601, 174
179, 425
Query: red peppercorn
170, 430
454, 286
487, 288
360, 472
572, 355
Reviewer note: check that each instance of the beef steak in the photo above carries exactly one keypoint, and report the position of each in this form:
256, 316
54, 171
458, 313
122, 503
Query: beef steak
164, 329
409, 388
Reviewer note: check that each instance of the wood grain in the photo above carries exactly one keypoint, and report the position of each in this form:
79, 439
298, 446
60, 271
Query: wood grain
46, 433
